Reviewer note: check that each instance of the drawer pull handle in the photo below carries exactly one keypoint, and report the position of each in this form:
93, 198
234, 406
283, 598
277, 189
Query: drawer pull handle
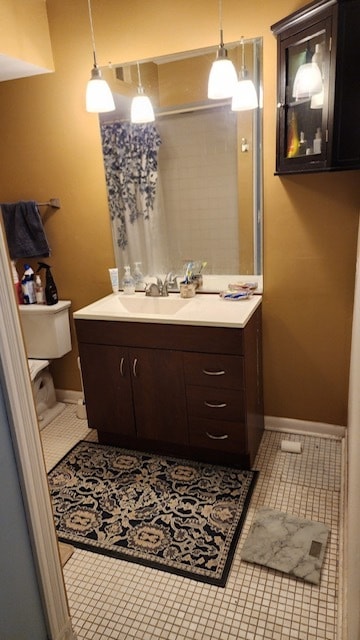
122, 366
213, 373
218, 405
224, 437
134, 367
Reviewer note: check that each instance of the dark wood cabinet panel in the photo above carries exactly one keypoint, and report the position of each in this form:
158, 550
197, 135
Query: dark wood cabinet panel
317, 126
159, 395
186, 390
107, 388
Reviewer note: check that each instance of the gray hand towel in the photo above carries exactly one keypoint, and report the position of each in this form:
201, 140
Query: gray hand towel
24, 230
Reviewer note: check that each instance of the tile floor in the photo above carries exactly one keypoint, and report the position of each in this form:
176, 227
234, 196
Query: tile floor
115, 600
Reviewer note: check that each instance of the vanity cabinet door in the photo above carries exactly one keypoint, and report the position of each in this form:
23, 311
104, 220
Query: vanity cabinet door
107, 385
159, 395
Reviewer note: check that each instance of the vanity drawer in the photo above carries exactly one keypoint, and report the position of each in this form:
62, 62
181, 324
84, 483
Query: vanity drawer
214, 370
215, 404
219, 435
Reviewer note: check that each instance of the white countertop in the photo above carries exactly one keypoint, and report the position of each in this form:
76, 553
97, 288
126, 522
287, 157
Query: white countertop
202, 310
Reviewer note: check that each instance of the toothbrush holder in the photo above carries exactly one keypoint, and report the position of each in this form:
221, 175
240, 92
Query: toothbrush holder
187, 290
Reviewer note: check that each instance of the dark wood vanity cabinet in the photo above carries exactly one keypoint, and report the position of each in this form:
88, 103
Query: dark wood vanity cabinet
319, 131
192, 391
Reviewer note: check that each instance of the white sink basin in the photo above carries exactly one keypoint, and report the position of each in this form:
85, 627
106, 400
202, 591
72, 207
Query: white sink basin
153, 305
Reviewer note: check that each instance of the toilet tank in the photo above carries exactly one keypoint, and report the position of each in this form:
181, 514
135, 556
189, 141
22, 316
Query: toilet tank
46, 329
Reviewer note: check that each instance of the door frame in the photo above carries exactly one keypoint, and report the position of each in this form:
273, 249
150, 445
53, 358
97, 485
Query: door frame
25, 434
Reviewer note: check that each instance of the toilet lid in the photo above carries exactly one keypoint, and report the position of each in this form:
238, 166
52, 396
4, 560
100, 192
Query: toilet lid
35, 366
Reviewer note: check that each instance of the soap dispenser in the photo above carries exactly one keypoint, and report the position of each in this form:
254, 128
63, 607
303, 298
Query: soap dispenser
138, 277
128, 282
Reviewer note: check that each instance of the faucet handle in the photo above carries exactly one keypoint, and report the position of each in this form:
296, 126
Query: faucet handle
171, 280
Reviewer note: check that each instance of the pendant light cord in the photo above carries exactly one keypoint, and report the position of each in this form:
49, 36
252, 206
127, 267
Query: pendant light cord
221, 25
92, 33
139, 77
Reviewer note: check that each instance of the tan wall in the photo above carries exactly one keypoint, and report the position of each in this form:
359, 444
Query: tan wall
24, 32
51, 148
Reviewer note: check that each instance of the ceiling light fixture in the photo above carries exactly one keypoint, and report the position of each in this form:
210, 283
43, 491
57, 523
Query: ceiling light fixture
244, 96
141, 108
223, 77
99, 98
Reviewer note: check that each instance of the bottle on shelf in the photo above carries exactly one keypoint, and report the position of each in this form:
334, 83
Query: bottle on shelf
293, 137
128, 282
302, 144
317, 141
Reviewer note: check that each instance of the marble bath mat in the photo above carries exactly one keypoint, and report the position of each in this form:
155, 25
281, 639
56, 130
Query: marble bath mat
287, 543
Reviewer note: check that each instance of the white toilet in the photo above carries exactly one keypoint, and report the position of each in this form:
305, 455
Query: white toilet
46, 331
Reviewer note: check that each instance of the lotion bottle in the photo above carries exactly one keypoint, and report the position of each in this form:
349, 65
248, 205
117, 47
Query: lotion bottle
128, 282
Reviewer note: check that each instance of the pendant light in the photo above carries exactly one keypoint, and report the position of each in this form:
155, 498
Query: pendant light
99, 98
317, 100
244, 97
141, 108
308, 80
223, 77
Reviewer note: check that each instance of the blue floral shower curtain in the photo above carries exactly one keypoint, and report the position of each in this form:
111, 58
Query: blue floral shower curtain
131, 169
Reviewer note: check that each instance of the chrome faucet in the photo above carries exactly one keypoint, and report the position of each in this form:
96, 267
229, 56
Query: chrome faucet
161, 288
171, 280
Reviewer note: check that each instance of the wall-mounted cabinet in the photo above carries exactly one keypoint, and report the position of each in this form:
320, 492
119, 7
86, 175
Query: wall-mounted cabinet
318, 126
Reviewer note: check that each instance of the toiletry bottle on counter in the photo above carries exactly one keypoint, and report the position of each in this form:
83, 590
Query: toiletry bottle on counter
28, 285
51, 295
128, 282
317, 141
138, 277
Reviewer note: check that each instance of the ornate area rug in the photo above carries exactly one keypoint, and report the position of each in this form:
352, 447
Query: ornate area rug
176, 515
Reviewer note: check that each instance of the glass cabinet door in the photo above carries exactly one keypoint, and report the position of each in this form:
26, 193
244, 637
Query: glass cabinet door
303, 99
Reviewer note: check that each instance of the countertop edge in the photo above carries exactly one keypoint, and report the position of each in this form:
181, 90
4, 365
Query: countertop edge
86, 313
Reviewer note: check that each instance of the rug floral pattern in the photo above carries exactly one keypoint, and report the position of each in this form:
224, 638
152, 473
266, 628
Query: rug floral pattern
176, 515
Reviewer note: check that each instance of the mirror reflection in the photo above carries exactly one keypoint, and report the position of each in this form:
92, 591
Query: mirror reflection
188, 186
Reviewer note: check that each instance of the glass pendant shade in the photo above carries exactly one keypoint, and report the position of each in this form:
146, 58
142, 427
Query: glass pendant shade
141, 110
317, 100
244, 97
99, 98
307, 81
222, 79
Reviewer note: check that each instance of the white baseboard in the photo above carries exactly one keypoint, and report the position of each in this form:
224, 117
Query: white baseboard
304, 427
68, 396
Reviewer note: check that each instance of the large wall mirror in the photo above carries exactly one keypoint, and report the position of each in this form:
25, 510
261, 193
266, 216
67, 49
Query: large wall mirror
187, 187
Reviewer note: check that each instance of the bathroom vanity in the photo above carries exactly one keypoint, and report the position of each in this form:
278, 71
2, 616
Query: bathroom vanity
174, 376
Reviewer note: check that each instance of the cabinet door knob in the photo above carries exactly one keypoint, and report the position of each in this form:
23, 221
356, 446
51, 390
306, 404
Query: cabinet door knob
122, 366
224, 437
217, 405
213, 373
134, 367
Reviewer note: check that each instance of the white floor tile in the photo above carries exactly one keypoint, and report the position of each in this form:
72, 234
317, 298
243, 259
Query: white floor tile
113, 599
